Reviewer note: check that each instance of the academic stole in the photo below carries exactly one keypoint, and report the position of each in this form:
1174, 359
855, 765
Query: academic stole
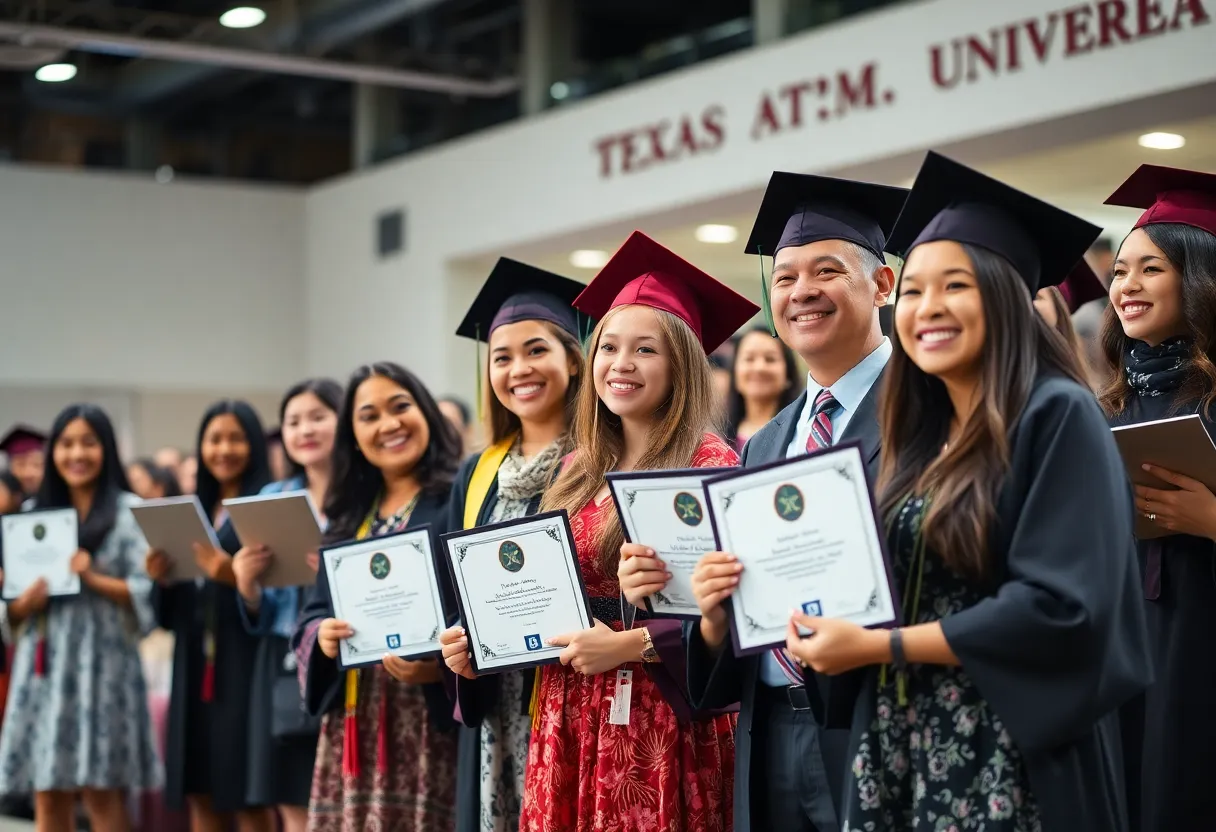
350, 725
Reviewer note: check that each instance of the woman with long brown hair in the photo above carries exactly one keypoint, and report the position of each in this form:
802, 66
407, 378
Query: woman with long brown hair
1159, 336
1056, 305
650, 405
995, 704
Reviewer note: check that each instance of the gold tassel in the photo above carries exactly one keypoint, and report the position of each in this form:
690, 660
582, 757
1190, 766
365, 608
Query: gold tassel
534, 704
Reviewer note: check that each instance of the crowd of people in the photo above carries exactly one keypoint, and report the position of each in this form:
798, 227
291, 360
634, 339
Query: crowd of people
1047, 672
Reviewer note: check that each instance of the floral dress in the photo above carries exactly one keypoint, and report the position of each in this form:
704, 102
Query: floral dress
937, 758
654, 774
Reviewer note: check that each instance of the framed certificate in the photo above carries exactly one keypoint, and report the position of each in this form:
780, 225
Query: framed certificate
665, 510
172, 525
518, 583
807, 533
288, 524
40, 544
387, 589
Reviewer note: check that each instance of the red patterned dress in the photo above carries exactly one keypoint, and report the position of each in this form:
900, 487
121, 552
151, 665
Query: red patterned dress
652, 775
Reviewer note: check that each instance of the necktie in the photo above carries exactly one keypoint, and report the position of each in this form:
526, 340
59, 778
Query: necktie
820, 437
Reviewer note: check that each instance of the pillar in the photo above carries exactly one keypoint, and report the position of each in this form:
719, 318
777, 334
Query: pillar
376, 123
547, 53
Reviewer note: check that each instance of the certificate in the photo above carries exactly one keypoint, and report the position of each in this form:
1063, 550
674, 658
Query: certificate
288, 525
387, 590
172, 525
665, 510
518, 583
40, 544
807, 534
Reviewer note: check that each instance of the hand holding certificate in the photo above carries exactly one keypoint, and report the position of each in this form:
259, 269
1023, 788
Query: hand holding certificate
40, 544
173, 526
518, 585
387, 590
288, 525
807, 535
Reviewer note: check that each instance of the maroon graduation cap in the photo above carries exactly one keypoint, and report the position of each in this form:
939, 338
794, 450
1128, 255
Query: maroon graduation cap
1081, 286
1172, 195
21, 440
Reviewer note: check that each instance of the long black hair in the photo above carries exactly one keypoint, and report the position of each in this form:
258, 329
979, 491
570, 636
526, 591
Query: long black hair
355, 483
257, 469
159, 475
111, 480
330, 394
736, 407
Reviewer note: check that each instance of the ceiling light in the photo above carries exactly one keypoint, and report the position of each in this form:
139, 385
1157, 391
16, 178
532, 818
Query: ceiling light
1162, 141
164, 174
559, 90
588, 258
242, 17
56, 73
717, 233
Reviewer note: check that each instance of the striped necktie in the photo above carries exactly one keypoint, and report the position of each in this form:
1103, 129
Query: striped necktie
819, 437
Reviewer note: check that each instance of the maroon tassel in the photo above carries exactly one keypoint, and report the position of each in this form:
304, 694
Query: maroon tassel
382, 734
40, 657
208, 693
350, 746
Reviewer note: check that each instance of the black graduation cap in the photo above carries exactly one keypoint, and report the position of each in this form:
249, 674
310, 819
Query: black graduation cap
517, 292
950, 201
23, 439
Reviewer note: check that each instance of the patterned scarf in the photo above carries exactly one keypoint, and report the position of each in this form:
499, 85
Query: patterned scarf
520, 481
1156, 371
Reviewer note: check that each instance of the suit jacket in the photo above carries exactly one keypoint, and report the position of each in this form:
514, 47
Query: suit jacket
718, 681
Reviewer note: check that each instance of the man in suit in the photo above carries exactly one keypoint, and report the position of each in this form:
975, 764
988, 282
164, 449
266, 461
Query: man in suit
828, 283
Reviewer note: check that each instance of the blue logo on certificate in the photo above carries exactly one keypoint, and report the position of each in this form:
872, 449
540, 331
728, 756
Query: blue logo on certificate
532, 642
813, 608
394, 642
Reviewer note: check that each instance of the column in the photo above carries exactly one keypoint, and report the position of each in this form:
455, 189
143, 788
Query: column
547, 50
769, 20
142, 142
376, 122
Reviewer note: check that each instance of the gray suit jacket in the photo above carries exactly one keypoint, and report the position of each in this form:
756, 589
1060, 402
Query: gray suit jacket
721, 680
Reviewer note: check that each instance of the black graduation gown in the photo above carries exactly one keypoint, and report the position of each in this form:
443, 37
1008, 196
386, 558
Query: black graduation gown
1060, 643
206, 750
1170, 732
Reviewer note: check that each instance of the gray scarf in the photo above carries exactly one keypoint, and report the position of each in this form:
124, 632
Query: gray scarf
520, 481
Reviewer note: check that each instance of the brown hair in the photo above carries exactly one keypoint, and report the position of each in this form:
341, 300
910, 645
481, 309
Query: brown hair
1065, 328
501, 422
682, 422
964, 481
1192, 252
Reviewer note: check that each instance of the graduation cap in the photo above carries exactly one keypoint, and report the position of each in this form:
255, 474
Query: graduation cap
950, 201
21, 440
1187, 197
1081, 286
799, 209
644, 273
517, 292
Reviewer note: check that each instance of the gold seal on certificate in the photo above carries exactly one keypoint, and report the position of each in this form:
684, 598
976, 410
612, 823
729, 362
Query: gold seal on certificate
40, 544
665, 510
518, 584
387, 589
807, 534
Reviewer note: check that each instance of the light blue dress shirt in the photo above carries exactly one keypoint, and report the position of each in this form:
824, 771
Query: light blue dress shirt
848, 392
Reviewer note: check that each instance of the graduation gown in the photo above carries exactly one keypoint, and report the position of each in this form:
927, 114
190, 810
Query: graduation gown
1170, 732
717, 682
206, 750
1058, 643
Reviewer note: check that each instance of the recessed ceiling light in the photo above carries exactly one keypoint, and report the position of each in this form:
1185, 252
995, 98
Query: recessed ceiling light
717, 233
242, 17
588, 258
56, 73
559, 90
1162, 141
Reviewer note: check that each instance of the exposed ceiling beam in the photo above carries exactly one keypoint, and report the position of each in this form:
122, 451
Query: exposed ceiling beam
224, 57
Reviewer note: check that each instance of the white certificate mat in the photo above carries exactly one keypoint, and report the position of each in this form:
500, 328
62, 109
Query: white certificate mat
665, 510
807, 534
40, 544
288, 524
387, 590
518, 584
172, 525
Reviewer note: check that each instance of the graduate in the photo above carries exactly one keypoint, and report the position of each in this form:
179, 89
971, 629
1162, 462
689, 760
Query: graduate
533, 376
1057, 304
1009, 525
649, 405
26, 451
764, 380
206, 751
1159, 336
387, 754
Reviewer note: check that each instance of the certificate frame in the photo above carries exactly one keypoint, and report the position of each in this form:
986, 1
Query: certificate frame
66, 586
619, 489
422, 532
288, 568
502, 532
820, 461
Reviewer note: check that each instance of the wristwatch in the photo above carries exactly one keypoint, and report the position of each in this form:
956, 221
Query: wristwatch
897, 650
649, 654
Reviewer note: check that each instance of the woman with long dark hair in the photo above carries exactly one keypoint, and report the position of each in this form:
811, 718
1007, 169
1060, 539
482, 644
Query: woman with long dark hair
764, 380
77, 719
387, 755
1057, 304
1159, 337
1009, 526
206, 753
282, 743
150, 481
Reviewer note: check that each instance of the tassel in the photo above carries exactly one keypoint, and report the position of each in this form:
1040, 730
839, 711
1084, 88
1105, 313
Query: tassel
901, 689
534, 704
765, 303
208, 693
479, 401
40, 657
382, 730
350, 727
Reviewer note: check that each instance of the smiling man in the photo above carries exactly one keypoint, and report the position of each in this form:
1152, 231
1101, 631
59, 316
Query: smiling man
828, 283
